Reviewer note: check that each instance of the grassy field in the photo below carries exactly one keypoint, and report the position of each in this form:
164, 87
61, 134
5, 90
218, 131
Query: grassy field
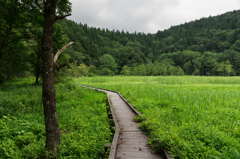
193, 117
82, 115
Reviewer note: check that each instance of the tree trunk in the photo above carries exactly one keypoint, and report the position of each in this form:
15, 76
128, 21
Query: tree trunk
48, 87
36, 81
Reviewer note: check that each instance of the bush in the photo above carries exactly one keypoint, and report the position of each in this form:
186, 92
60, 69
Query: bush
91, 75
2, 78
106, 72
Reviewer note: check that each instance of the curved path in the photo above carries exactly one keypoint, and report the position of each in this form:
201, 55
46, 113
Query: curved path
129, 141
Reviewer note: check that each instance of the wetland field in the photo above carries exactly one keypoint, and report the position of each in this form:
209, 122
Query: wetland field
191, 116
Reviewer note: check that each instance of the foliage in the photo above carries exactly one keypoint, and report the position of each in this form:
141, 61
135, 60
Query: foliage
193, 117
20, 20
196, 47
78, 70
106, 72
126, 70
199, 47
2, 78
107, 61
82, 117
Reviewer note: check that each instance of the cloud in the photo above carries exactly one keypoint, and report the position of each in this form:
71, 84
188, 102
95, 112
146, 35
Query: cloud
145, 15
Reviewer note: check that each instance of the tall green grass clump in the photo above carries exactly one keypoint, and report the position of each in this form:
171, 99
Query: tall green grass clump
192, 117
82, 115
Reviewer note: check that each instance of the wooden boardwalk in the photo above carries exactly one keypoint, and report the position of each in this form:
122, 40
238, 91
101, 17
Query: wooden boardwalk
131, 142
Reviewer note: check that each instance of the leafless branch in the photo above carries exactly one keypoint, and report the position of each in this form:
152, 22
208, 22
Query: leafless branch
60, 51
60, 17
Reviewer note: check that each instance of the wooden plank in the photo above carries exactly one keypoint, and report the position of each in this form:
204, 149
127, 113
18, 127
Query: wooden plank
133, 143
124, 119
120, 146
127, 136
113, 150
137, 154
128, 123
136, 133
127, 157
138, 113
135, 149
124, 114
123, 135
133, 139
130, 129
124, 124
134, 130
123, 111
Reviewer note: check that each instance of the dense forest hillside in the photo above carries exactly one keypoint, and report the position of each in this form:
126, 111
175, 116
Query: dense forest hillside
208, 46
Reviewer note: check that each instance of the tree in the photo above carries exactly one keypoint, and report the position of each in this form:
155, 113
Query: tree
106, 72
228, 67
236, 46
107, 61
220, 68
50, 69
204, 37
163, 70
142, 70
35, 60
197, 64
151, 57
126, 71
19, 20
236, 62
73, 69
82, 69
92, 69
179, 71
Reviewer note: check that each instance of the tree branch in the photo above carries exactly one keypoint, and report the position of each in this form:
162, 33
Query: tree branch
60, 17
4, 45
61, 66
60, 51
28, 27
10, 33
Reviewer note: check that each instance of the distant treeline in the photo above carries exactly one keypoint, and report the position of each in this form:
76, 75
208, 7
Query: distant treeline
208, 46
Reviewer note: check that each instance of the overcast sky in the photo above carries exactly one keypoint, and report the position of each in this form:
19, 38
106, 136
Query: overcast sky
147, 16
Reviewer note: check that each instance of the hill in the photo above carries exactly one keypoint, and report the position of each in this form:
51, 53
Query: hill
208, 46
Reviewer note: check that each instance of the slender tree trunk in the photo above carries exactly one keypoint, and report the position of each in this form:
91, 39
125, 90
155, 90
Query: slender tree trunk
38, 69
48, 87
36, 81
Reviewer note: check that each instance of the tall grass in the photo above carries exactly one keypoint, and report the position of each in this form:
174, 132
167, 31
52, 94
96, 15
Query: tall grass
193, 117
82, 115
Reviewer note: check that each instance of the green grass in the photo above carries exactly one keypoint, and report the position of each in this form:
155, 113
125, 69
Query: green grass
193, 117
82, 115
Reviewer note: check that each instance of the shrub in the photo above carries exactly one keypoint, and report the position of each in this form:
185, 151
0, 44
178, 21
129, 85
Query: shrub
106, 72
91, 75
2, 78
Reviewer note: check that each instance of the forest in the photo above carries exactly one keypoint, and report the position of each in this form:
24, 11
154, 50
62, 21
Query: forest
206, 47
34, 33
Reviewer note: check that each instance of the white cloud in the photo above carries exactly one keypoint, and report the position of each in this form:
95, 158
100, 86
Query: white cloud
145, 15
